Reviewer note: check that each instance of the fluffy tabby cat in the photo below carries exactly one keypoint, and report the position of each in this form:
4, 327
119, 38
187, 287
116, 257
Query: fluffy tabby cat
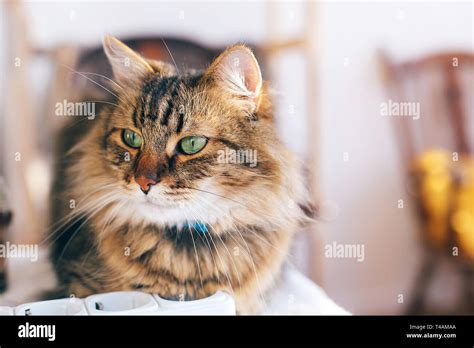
155, 206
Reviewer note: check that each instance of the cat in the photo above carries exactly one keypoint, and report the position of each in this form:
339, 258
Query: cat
148, 201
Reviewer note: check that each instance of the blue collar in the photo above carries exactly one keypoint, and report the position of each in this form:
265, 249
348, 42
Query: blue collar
194, 226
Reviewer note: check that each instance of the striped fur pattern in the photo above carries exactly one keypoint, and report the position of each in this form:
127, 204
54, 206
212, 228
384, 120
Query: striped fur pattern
116, 237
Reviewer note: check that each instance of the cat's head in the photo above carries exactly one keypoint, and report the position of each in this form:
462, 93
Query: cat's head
179, 146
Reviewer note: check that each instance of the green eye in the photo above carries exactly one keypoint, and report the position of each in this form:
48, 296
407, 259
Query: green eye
193, 144
131, 138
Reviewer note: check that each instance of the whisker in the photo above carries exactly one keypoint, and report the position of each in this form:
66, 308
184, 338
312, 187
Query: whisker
212, 254
97, 209
233, 200
225, 246
172, 58
100, 75
73, 218
196, 254
249, 254
89, 79
218, 255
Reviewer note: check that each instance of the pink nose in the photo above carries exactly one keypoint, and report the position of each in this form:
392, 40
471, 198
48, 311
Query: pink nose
145, 183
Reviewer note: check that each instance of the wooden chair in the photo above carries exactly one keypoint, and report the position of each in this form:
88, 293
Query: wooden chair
441, 84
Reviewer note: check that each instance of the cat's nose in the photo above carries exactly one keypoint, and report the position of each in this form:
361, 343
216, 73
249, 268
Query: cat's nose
149, 171
145, 183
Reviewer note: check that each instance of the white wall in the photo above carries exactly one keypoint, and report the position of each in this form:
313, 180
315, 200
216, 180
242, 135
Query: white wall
86, 22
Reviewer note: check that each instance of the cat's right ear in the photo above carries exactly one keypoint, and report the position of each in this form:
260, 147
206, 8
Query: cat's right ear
236, 71
127, 65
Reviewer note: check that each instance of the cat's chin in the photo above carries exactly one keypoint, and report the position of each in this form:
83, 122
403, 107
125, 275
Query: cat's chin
160, 205
168, 214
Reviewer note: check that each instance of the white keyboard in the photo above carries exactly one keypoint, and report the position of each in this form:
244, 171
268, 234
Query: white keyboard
126, 303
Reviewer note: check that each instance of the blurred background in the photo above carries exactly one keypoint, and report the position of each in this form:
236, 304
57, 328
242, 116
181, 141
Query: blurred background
374, 97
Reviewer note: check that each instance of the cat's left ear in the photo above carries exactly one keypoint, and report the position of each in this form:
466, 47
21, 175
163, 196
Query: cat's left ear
127, 65
237, 71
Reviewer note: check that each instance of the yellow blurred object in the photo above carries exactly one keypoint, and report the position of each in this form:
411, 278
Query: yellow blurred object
446, 189
462, 219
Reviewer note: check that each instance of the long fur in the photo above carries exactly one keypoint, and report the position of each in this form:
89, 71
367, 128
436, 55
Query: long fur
114, 237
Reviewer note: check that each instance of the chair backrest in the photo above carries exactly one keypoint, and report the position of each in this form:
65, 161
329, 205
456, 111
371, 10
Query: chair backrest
441, 85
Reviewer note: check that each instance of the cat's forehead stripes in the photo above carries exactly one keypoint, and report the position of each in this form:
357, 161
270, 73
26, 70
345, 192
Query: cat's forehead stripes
180, 123
159, 98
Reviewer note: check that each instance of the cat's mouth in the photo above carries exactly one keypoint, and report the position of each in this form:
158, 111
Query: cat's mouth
163, 198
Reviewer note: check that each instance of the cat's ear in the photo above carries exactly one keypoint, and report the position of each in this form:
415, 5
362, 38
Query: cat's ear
237, 71
127, 65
